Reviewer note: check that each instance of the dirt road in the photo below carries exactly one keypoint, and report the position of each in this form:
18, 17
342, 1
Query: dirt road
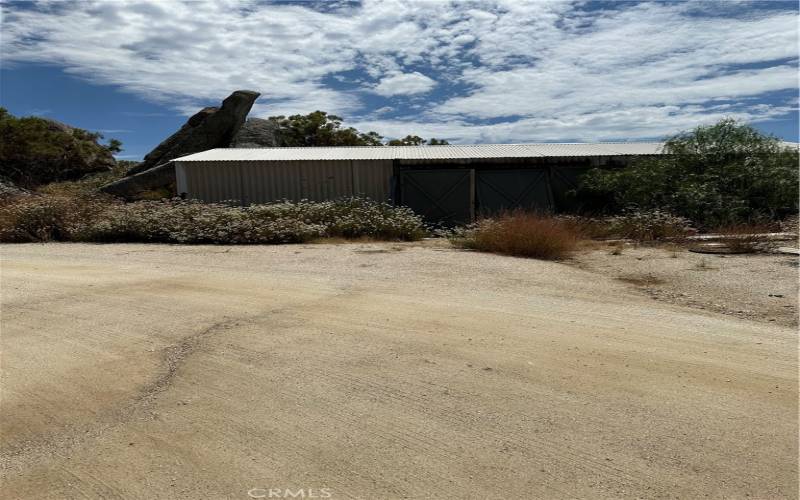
377, 371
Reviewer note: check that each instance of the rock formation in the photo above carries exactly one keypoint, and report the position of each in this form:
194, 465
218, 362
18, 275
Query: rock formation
257, 133
209, 128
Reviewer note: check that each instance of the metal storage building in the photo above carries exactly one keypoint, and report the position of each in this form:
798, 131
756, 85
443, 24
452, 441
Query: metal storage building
449, 183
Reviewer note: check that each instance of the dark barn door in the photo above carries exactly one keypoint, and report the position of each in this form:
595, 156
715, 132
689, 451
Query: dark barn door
507, 189
565, 181
439, 196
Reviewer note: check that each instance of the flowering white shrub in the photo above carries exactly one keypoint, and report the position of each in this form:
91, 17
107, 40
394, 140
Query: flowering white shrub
354, 217
649, 225
44, 218
180, 221
638, 225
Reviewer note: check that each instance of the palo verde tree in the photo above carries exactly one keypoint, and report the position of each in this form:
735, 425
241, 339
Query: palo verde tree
715, 175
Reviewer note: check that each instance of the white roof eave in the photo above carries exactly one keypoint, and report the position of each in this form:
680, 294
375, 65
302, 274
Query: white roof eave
449, 152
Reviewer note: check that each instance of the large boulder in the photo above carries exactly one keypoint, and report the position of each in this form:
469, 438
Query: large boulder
36, 151
209, 128
257, 133
10, 190
154, 183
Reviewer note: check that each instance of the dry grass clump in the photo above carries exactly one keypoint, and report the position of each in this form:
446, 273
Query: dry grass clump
522, 234
673, 249
749, 244
617, 248
790, 224
703, 265
747, 238
88, 185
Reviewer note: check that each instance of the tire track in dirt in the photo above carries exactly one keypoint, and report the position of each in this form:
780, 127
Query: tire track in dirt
271, 368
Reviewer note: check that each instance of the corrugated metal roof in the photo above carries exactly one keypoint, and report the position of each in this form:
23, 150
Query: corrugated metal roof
456, 151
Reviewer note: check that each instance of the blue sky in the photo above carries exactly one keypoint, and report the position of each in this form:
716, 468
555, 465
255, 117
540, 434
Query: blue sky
479, 71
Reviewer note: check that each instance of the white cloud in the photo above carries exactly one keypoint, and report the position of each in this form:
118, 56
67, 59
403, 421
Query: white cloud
404, 84
621, 124
504, 70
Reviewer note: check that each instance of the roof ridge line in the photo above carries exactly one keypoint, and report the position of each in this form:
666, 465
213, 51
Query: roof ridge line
454, 145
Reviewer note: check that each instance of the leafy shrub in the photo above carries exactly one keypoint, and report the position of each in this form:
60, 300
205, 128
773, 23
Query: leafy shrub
721, 174
35, 151
521, 234
59, 217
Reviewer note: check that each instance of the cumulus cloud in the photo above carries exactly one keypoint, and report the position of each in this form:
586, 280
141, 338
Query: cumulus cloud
483, 70
404, 84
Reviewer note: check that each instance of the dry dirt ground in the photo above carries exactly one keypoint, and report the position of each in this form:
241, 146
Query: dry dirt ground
378, 371
759, 287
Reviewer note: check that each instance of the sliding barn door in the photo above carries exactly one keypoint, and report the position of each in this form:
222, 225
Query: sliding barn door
507, 189
440, 196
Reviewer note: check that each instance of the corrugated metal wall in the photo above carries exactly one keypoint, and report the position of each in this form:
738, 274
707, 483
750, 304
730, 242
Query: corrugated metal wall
260, 182
210, 184
372, 178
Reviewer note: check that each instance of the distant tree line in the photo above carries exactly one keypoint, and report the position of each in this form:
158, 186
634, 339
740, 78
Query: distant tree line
322, 129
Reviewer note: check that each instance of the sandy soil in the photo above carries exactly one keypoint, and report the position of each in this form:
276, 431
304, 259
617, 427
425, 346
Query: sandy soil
378, 371
759, 287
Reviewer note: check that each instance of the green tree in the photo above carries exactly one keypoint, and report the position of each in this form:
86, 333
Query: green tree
715, 175
409, 140
114, 145
415, 140
321, 129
